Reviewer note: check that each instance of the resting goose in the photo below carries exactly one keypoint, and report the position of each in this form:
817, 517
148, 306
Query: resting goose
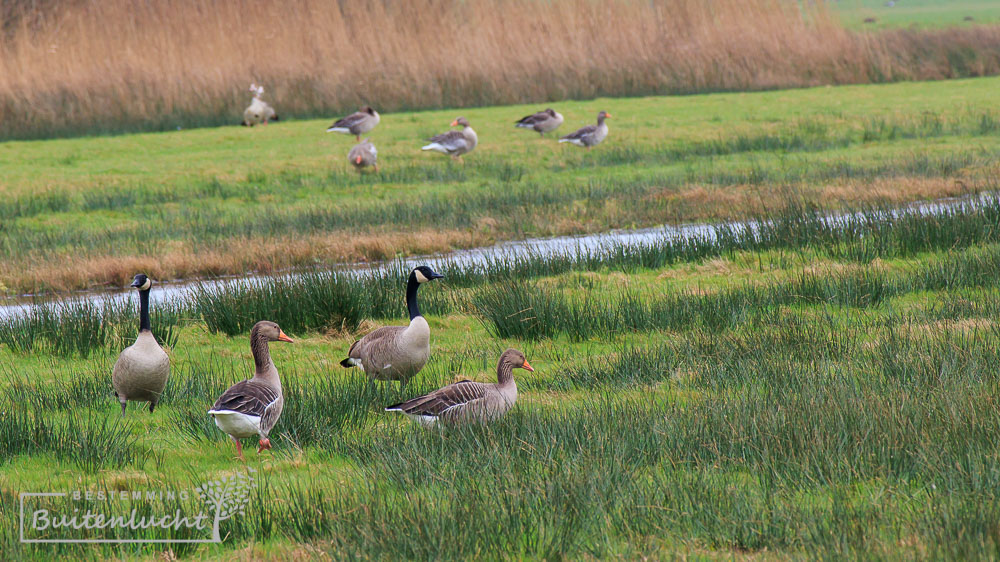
541, 122
396, 353
591, 135
468, 401
259, 112
363, 154
454, 143
141, 371
357, 123
252, 407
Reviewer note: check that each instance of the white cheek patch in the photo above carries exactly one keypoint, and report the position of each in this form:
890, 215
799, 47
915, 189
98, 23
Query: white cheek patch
421, 278
145, 286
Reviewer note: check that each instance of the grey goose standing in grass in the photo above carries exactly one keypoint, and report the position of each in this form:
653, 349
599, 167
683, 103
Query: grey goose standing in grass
396, 353
259, 112
363, 155
252, 407
454, 143
541, 122
357, 123
468, 401
141, 371
591, 135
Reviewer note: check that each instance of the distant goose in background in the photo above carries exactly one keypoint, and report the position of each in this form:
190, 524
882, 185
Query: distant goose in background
363, 155
542, 122
468, 401
591, 135
357, 123
141, 371
454, 143
252, 407
259, 112
396, 353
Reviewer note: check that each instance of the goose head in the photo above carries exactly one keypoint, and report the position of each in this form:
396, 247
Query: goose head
269, 331
461, 121
516, 359
368, 109
551, 112
423, 274
141, 282
602, 116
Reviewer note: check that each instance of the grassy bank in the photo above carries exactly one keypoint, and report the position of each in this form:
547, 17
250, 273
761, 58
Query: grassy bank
811, 390
89, 212
189, 64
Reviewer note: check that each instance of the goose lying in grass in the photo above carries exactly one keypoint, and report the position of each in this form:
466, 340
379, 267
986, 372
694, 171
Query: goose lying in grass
363, 155
357, 123
454, 143
396, 353
252, 407
591, 135
142, 369
541, 122
468, 401
259, 112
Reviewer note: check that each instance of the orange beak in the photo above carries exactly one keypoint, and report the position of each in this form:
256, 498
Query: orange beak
283, 337
607, 115
527, 366
454, 123
357, 160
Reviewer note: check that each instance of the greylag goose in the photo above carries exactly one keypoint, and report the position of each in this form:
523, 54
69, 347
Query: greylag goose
541, 122
357, 123
467, 401
454, 143
259, 112
252, 407
396, 353
591, 135
141, 371
363, 154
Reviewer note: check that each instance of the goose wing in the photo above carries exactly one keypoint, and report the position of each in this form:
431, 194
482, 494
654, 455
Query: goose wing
455, 396
350, 121
533, 119
451, 141
581, 134
251, 399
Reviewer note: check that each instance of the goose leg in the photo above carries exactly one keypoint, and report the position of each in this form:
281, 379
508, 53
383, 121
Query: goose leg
152, 405
123, 408
239, 448
265, 443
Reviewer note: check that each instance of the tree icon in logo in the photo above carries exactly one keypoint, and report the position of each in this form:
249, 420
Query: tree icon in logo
227, 496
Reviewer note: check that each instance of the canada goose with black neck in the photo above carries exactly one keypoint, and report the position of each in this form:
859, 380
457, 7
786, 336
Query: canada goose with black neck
396, 353
252, 407
468, 401
142, 369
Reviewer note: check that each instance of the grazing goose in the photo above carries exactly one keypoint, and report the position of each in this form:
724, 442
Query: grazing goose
141, 371
542, 122
466, 401
259, 112
591, 135
363, 154
252, 407
454, 143
357, 123
396, 353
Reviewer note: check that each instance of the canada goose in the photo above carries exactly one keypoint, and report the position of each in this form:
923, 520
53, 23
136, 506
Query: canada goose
363, 154
357, 123
454, 143
141, 371
466, 401
542, 122
259, 112
396, 353
591, 135
252, 407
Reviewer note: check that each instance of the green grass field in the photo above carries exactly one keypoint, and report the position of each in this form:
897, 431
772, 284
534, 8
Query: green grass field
921, 13
809, 390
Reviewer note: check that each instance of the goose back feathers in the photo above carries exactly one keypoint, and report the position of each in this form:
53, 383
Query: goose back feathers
357, 123
541, 122
591, 135
363, 155
141, 371
468, 401
454, 143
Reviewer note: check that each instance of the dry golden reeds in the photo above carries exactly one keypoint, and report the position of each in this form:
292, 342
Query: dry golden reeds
116, 65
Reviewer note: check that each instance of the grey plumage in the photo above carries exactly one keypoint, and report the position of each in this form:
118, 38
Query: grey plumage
357, 123
454, 143
363, 155
541, 122
591, 135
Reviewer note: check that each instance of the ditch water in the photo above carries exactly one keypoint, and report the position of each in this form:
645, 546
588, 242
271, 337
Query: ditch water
561, 245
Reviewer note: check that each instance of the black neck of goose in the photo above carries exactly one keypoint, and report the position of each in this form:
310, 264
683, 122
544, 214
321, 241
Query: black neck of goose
261, 353
505, 371
411, 296
144, 311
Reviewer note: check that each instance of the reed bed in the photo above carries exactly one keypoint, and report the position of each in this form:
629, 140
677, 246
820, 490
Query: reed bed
189, 63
